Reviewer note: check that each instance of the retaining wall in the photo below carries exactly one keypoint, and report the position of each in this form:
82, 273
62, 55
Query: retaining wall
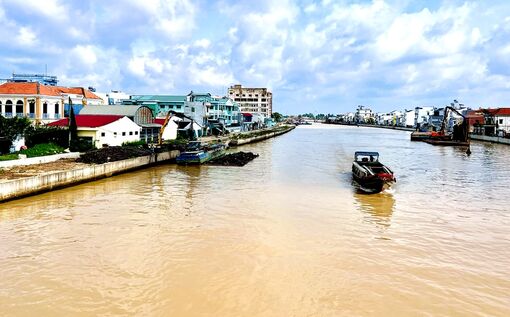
52, 180
39, 160
487, 138
238, 142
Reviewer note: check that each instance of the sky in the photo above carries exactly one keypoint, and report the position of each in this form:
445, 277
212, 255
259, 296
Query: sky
315, 56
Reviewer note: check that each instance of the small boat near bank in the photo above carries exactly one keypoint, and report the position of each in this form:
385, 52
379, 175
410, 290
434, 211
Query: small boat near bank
198, 153
371, 175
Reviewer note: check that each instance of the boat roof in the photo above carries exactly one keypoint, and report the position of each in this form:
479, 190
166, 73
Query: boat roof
365, 153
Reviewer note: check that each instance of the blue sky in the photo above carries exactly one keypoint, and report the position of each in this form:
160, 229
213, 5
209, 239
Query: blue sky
316, 56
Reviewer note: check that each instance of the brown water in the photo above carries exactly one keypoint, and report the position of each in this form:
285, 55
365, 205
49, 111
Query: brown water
286, 235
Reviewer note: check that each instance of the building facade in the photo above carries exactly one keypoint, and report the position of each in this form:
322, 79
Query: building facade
252, 100
42, 103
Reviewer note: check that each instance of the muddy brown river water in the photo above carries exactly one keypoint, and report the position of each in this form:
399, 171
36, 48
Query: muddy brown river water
285, 235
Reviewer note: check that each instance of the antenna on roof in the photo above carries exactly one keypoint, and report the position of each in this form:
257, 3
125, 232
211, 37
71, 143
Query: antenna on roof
45, 69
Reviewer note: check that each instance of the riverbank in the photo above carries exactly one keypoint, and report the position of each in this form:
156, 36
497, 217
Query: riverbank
78, 173
57, 171
375, 126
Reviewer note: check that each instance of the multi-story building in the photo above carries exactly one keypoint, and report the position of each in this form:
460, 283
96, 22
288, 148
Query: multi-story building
364, 115
42, 103
252, 100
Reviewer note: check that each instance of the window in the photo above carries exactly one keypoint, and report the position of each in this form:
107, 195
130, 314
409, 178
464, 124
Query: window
45, 108
8, 108
136, 132
500, 121
161, 106
178, 106
114, 133
130, 132
123, 133
19, 108
192, 109
103, 134
56, 108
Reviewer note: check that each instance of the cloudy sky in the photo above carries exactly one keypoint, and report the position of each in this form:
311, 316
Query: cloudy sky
316, 56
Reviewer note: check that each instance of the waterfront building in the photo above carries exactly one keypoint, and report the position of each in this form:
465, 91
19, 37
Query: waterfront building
140, 115
497, 121
421, 116
409, 117
211, 114
103, 130
364, 115
42, 103
252, 100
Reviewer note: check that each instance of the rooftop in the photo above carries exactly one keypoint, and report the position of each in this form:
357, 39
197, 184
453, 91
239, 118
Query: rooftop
87, 121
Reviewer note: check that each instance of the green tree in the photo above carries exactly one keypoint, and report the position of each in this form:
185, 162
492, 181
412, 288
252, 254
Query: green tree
73, 130
277, 116
10, 130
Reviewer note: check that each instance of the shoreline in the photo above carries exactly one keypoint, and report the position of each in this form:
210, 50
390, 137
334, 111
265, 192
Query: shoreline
51, 180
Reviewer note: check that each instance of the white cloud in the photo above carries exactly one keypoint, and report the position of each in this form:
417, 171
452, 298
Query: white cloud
26, 37
86, 54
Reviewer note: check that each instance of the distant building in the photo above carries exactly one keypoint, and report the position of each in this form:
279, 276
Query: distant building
409, 118
42, 103
421, 116
252, 100
113, 97
34, 78
363, 115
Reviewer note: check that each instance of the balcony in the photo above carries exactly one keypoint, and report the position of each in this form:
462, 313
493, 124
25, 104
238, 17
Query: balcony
31, 115
8, 114
45, 116
19, 114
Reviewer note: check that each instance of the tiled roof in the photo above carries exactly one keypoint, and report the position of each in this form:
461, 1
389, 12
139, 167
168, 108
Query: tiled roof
503, 112
87, 121
45, 90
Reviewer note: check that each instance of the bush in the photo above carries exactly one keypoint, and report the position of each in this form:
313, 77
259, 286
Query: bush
45, 134
42, 150
135, 143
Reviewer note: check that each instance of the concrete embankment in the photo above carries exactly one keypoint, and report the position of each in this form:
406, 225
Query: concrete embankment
247, 139
38, 160
21, 187
486, 138
376, 126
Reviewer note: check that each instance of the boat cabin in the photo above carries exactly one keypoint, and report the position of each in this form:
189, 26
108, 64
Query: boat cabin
366, 157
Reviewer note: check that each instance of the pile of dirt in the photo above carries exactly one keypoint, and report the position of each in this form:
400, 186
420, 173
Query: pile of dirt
234, 159
112, 154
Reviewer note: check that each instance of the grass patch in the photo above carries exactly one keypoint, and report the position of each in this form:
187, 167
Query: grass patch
9, 157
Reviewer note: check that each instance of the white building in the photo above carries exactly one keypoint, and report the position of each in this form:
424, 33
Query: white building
41, 103
363, 114
422, 114
104, 130
113, 97
408, 118
252, 100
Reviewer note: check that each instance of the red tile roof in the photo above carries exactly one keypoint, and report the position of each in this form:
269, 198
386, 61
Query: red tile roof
38, 89
87, 121
503, 112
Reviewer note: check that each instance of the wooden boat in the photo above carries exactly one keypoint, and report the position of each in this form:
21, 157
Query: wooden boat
198, 153
371, 175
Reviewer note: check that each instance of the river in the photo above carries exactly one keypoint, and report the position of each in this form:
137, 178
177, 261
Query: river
285, 235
